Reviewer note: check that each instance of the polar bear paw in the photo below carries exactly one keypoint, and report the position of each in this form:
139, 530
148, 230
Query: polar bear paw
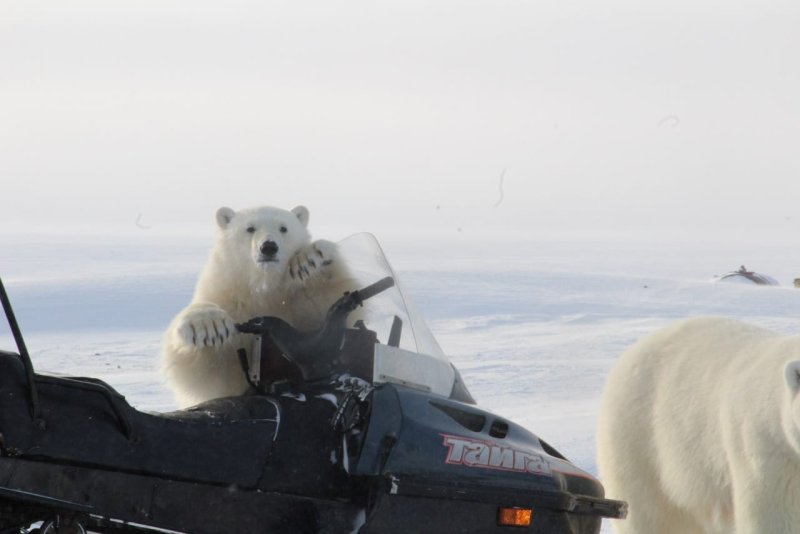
312, 260
209, 326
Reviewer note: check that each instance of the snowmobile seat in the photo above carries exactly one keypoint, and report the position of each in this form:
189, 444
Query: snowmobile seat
226, 409
86, 422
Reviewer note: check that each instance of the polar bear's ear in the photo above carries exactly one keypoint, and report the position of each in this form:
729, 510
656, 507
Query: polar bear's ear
792, 374
302, 213
224, 217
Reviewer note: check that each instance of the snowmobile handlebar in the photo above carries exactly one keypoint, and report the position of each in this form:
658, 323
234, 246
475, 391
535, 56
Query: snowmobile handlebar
342, 307
373, 289
314, 353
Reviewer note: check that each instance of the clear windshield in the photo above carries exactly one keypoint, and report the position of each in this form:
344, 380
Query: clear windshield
368, 264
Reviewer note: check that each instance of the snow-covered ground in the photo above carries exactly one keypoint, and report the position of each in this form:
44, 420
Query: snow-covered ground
534, 327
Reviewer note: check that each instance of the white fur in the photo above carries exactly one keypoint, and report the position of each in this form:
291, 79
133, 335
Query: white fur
698, 431
297, 283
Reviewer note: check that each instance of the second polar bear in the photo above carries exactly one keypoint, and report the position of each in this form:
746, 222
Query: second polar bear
263, 263
699, 431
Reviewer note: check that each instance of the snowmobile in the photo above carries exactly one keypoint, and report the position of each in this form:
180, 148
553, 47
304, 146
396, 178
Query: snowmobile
748, 277
359, 427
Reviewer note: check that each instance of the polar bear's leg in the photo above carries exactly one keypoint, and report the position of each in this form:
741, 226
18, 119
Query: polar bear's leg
650, 511
627, 458
317, 260
629, 473
199, 358
196, 375
315, 279
765, 500
201, 324
756, 515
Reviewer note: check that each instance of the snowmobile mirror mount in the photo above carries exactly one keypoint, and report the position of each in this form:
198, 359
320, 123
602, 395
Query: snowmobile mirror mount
33, 394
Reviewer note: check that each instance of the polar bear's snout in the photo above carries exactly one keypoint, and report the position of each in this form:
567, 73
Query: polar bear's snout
268, 251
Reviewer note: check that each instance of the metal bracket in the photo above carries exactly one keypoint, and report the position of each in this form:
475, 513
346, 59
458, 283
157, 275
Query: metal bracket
254, 362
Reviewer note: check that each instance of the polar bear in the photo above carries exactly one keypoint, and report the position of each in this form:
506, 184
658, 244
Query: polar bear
698, 431
263, 263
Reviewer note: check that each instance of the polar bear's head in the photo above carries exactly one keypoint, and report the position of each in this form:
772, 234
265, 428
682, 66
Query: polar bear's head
262, 239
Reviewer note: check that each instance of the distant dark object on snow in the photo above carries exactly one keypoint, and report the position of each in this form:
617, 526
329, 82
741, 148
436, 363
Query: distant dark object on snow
743, 276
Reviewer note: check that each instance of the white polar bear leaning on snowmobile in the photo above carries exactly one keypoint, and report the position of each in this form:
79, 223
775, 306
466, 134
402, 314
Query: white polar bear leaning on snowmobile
263, 263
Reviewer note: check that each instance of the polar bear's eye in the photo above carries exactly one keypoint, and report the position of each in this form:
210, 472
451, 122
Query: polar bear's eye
283, 229
251, 229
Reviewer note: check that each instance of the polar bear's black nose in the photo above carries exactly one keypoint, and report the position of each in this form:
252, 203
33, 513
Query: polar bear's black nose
269, 248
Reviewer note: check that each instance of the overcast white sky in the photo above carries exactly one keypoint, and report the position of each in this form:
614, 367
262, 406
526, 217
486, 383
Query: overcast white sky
664, 118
